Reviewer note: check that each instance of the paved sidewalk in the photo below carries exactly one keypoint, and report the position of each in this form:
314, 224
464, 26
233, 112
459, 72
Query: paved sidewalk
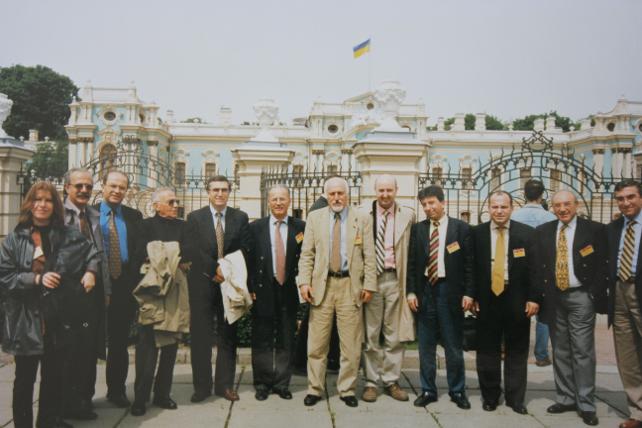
275, 412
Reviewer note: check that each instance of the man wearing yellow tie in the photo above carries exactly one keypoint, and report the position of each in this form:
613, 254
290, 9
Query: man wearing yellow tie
505, 302
570, 266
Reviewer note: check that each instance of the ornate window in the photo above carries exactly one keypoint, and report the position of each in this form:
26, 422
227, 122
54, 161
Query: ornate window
467, 177
437, 173
210, 169
179, 173
495, 179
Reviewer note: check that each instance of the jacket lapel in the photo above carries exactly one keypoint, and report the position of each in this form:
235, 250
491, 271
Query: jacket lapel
266, 240
351, 234
291, 247
401, 221
230, 226
207, 221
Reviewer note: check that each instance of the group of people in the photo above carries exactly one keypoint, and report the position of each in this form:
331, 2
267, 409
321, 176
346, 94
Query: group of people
70, 272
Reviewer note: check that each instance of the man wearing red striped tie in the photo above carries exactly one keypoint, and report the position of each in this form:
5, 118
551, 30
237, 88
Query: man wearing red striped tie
440, 289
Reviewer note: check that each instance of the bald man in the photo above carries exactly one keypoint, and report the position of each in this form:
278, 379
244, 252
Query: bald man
570, 267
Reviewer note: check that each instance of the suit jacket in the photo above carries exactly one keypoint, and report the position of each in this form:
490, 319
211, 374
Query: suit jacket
201, 247
590, 268
519, 289
459, 263
614, 232
261, 274
404, 219
133, 220
314, 263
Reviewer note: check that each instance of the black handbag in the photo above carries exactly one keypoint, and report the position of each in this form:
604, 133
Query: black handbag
470, 332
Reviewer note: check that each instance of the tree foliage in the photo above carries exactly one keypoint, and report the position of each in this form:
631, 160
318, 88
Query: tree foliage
41, 99
50, 159
527, 123
492, 123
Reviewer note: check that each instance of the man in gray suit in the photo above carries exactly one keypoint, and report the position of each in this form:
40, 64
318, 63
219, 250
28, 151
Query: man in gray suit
90, 341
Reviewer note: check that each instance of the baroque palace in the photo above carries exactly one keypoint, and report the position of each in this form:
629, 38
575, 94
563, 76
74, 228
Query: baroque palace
361, 137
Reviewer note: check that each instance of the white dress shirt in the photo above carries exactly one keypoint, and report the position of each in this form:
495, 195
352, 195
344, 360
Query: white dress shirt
573, 282
494, 234
213, 210
443, 227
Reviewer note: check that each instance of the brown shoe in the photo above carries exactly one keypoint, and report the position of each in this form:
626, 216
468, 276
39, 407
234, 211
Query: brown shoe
543, 363
230, 395
631, 423
369, 394
396, 392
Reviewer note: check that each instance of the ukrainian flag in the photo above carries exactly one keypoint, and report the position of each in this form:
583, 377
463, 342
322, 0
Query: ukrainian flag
361, 49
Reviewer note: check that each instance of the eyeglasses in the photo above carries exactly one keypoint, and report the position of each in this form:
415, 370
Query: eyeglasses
80, 186
219, 190
173, 202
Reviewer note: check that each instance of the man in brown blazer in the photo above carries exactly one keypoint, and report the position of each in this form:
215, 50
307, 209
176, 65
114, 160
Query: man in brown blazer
387, 313
337, 273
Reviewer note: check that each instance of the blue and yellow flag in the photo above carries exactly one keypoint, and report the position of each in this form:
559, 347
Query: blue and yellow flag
361, 49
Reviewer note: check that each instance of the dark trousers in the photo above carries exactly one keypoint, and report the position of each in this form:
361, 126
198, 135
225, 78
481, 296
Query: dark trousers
497, 324
146, 358
273, 345
80, 381
438, 319
51, 387
301, 353
120, 317
206, 311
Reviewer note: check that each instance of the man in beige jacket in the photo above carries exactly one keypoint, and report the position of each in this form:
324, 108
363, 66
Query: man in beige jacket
387, 313
337, 273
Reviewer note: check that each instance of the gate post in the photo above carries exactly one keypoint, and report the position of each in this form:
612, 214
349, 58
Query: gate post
252, 159
394, 153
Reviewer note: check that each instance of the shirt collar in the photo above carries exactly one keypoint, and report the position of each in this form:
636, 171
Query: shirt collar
343, 213
213, 210
105, 208
273, 220
638, 219
533, 205
381, 210
71, 206
494, 225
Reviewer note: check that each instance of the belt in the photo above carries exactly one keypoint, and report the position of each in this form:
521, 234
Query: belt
389, 270
342, 274
628, 281
570, 289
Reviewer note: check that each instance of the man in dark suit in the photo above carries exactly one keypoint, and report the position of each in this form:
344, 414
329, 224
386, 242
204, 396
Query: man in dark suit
90, 342
272, 271
625, 294
505, 302
213, 232
439, 289
570, 267
120, 226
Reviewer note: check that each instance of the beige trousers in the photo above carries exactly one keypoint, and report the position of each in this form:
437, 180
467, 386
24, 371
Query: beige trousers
338, 299
381, 314
627, 332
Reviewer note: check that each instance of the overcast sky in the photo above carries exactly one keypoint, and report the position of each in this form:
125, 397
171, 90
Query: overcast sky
502, 57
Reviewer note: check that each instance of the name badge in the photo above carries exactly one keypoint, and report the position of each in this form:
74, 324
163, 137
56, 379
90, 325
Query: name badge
453, 247
357, 240
519, 252
587, 250
299, 237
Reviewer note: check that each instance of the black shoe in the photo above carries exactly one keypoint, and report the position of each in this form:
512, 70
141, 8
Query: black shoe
425, 399
589, 418
521, 409
81, 413
350, 400
59, 423
489, 406
283, 393
199, 396
561, 408
137, 409
311, 400
118, 400
165, 403
261, 394
460, 399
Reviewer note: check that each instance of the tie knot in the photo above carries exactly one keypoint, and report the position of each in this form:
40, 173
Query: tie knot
337, 216
632, 223
435, 223
564, 227
81, 214
219, 215
278, 222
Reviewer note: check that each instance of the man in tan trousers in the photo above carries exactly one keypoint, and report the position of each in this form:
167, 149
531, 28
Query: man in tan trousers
387, 313
337, 273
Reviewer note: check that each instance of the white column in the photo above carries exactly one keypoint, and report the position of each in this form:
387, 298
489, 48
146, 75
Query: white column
627, 170
598, 161
12, 157
90, 151
616, 163
72, 154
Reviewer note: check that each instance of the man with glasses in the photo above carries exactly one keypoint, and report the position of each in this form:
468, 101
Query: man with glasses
161, 334
213, 232
90, 343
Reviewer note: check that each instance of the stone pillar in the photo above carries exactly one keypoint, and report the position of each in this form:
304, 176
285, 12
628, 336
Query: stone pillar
598, 161
252, 159
390, 154
538, 124
627, 167
90, 151
480, 122
616, 163
460, 122
72, 154
12, 158
152, 176
440, 124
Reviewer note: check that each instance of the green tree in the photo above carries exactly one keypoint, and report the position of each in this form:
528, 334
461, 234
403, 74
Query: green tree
527, 122
492, 123
41, 99
50, 159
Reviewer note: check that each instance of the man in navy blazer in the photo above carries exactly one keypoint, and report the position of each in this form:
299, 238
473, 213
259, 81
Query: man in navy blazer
625, 294
204, 246
439, 288
273, 269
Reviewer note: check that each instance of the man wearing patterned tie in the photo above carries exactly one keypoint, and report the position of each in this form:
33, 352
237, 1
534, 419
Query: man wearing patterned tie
440, 289
387, 313
625, 296
505, 302
273, 268
337, 273
213, 232
570, 262
90, 343
120, 226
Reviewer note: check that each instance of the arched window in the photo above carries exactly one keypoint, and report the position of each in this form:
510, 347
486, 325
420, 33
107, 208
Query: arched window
179, 173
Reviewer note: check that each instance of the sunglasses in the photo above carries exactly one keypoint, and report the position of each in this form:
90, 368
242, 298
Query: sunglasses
80, 186
173, 202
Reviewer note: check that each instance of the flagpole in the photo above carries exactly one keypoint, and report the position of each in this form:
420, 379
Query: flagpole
370, 66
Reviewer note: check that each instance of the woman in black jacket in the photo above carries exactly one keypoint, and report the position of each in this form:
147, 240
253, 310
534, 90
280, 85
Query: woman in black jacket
44, 265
